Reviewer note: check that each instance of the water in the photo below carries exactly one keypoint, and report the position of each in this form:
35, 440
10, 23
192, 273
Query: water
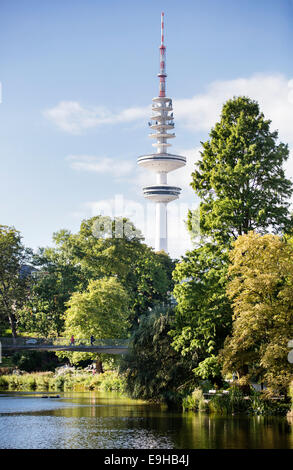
99, 420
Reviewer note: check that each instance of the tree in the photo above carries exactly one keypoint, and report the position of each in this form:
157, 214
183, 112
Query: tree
13, 281
50, 288
203, 313
240, 177
240, 180
106, 247
261, 291
100, 311
153, 370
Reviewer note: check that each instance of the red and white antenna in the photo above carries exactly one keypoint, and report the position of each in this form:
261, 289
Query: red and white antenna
162, 75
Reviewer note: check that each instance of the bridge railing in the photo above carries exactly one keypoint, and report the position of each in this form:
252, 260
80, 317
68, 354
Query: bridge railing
61, 341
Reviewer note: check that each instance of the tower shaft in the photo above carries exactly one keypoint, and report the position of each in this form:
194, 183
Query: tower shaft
161, 227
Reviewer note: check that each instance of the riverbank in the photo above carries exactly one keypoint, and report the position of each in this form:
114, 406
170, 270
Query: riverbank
228, 403
233, 401
64, 381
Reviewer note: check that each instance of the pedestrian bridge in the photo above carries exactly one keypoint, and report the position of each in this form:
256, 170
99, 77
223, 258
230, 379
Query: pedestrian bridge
105, 346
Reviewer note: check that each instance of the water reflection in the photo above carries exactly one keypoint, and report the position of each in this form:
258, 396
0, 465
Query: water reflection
105, 420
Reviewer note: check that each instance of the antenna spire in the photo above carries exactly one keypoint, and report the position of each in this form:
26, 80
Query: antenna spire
162, 75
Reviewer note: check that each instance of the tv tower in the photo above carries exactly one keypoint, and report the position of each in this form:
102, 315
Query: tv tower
161, 162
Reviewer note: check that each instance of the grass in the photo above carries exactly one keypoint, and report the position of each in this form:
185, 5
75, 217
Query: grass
47, 381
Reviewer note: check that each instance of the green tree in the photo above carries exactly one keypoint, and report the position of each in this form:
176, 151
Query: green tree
261, 291
13, 281
240, 176
153, 370
50, 288
113, 247
203, 313
100, 311
242, 186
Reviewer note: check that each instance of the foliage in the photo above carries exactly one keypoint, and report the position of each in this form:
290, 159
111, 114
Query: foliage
209, 368
203, 314
30, 361
50, 288
46, 381
241, 183
13, 282
260, 404
262, 298
193, 401
153, 370
100, 311
234, 402
106, 247
240, 177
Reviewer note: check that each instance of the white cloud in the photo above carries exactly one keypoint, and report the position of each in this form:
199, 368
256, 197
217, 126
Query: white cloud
102, 165
273, 92
73, 118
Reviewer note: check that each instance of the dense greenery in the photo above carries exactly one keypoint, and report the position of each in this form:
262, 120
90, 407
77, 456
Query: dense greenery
261, 291
51, 286
13, 281
203, 313
101, 311
240, 177
153, 369
240, 180
63, 380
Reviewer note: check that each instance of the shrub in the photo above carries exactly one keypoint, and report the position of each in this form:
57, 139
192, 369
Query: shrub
4, 383
234, 402
262, 405
59, 383
111, 381
191, 402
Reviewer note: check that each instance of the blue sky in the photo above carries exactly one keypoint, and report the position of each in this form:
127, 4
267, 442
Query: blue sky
77, 80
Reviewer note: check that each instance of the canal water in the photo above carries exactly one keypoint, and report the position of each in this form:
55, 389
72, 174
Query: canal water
104, 420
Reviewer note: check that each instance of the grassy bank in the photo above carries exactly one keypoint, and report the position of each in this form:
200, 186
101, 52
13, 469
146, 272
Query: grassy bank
76, 381
235, 402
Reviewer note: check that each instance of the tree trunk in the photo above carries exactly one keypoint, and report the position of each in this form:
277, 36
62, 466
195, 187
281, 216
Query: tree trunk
12, 322
99, 366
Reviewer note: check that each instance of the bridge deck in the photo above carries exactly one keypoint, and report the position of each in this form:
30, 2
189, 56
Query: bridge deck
40, 344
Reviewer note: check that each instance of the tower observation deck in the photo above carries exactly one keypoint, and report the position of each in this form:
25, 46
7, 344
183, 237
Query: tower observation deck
161, 162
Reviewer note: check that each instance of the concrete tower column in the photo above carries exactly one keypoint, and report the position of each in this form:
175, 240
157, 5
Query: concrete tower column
161, 227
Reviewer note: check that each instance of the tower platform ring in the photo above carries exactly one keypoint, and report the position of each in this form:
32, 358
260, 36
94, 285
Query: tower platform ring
161, 163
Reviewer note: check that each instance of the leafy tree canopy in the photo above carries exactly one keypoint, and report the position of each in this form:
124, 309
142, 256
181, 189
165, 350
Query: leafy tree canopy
13, 278
203, 313
262, 299
153, 370
100, 311
113, 247
240, 176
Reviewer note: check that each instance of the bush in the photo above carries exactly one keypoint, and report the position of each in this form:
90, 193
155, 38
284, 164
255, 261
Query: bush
4, 383
59, 383
191, 402
261, 405
32, 361
233, 402
111, 381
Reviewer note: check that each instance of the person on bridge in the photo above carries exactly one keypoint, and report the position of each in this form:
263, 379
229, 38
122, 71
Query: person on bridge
92, 340
72, 341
